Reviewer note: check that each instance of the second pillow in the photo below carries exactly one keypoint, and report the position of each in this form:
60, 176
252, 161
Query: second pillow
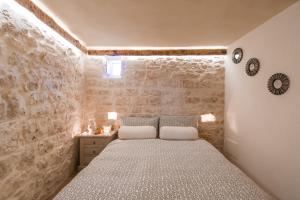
178, 133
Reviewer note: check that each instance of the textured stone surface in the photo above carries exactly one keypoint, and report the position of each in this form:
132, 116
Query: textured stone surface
41, 79
46, 97
153, 86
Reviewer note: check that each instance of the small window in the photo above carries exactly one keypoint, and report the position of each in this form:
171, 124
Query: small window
113, 67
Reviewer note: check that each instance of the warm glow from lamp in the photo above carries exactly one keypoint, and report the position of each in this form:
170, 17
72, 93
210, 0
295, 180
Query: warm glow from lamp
208, 118
106, 130
154, 47
112, 115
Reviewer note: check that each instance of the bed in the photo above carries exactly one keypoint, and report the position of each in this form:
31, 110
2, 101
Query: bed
161, 169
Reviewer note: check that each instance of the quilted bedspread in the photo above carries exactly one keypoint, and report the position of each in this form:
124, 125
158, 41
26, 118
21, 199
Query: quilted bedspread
160, 169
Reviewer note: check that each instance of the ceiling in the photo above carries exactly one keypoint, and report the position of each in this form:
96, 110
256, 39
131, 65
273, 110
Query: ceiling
162, 23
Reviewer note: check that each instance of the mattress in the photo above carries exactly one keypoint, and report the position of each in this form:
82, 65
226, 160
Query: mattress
160, 169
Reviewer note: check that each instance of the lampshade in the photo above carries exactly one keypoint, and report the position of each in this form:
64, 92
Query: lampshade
208, 118
112, 115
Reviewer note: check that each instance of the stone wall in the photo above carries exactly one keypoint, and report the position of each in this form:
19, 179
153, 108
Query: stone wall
41, 79
46, 98
152, 86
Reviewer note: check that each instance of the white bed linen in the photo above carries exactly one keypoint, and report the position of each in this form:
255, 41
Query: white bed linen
159, 169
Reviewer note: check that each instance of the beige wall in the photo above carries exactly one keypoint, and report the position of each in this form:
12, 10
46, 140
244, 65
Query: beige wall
163, 23
41, 79
261, 129
153, 86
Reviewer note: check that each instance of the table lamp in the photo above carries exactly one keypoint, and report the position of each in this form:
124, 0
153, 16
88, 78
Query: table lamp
111, 116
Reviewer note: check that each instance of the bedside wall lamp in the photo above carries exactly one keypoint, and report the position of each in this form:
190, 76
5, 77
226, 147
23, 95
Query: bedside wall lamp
112, 115
208, 118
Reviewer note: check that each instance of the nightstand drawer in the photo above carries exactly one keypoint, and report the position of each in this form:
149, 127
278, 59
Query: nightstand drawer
94, 141
93, 151
91, 146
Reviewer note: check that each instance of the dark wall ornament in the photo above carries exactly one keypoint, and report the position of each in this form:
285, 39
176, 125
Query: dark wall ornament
237, 55
252, 66
278, 84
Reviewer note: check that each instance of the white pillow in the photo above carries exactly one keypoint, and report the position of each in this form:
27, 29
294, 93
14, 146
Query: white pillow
137, 132
178, 133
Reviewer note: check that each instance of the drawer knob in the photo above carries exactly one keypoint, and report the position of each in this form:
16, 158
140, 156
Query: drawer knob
94, 142
94, 151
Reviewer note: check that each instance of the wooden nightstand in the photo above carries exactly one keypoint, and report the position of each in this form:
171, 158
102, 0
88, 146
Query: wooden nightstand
90, 146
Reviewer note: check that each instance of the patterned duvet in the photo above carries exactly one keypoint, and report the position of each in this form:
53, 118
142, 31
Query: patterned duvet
160, 169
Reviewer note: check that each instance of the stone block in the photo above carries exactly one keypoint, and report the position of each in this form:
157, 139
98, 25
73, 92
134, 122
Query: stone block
2, 111
7, 81
154, 74
26, 159
101, 92
153, 100
15, 105
44, 147
5, 169
151, 92
140, 100
192, 100
122, 100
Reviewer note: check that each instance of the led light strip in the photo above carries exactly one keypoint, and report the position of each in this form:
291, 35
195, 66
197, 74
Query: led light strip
157, 52
143, 51
40, 14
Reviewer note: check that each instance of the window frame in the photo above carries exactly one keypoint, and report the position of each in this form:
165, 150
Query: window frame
109, 59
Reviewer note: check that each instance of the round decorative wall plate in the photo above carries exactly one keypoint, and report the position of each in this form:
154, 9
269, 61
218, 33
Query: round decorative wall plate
237, 55
278, 83
252, 66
